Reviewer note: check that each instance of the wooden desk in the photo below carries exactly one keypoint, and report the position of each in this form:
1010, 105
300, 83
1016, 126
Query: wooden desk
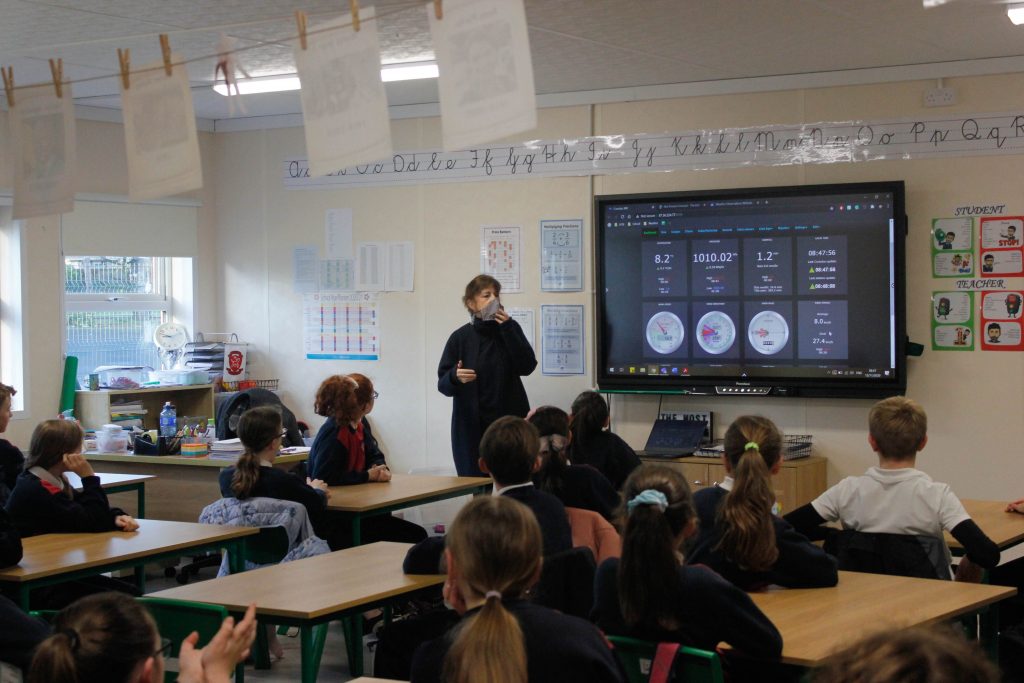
119, 483
54, 558
403, 491
184, 485
314, 591
1006, 529
814, 622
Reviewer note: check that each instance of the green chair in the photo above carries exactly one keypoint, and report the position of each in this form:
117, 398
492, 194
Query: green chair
691, 665
176, 619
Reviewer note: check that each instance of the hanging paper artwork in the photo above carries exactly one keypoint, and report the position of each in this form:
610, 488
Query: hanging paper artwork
43, 141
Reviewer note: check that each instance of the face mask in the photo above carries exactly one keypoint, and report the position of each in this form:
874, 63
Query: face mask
488, 311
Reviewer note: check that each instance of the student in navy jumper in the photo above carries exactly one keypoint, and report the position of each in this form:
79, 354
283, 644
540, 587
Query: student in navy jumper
19, 633
480, 369
11, 459
577, 486
344, 452
494, 557
594, 444
739, 536
650, 594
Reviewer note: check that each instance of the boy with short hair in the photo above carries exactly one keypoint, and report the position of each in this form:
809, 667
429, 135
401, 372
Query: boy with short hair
895, 497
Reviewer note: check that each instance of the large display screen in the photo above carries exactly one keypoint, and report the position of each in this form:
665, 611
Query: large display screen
785, 291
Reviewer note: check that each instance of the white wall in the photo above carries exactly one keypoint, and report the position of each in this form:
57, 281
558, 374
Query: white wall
976, 400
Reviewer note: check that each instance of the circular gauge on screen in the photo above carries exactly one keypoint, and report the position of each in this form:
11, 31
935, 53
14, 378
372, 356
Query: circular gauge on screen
665, 332
768, 332
715, 332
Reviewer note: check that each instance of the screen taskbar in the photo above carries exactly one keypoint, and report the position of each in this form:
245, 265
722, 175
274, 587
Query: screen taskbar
758, 374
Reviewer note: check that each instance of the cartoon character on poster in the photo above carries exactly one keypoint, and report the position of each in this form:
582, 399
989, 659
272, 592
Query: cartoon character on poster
942, 309
963, 336
965, 264
994, 331
1012, 305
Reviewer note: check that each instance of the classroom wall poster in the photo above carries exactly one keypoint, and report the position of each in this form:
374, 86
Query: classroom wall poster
951, 240
562, 339
340, 326
501, 256
305, 269
952, 321
527, 320
1000, 248
561, 256
1001, 321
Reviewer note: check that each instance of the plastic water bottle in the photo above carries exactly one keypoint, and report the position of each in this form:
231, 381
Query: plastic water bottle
168, 421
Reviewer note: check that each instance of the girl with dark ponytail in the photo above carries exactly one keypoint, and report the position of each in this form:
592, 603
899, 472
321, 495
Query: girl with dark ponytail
494, 556
593, 444
740, 536
650, 594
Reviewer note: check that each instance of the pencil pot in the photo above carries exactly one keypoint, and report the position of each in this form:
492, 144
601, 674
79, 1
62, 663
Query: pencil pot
168, 445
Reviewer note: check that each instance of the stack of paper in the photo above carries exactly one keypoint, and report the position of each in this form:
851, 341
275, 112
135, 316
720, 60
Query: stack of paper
127, 414
228, 449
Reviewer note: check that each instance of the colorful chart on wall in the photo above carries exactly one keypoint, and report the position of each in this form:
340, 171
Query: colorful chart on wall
1001, 321
952, 321
951, 240
1000, 246
340, 326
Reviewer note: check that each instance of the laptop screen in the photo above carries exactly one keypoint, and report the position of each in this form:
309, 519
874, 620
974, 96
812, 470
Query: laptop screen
675, 436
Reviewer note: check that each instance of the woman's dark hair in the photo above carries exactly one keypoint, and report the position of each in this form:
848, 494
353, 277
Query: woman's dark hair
589, 415
753, 445
649, 567
101, 638
477, 285
51, 440
343, 397
257, 429
552, 424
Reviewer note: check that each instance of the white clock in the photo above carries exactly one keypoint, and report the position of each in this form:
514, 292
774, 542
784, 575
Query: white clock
170, 336
665, 332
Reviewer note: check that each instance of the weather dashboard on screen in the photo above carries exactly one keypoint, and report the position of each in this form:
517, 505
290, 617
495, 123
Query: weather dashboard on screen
792, 291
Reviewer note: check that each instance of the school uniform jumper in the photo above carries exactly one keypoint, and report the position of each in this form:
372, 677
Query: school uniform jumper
559, 649
500, 355
274, 483
608, 454
37, 507
800, 564
582, 486
11, 461
19, 633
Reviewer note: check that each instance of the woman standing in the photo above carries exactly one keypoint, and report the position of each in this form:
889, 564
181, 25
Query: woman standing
481, 368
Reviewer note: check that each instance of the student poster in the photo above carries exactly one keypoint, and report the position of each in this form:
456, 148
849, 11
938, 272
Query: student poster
561, 256
340, 326
43, 132
1000, 246
562, 340
952, 321
501, 256
1001, 321
952, 254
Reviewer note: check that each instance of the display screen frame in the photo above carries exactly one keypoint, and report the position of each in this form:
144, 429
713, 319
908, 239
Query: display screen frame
752, 382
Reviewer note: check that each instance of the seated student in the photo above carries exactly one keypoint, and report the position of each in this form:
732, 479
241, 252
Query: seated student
934, 654
345, 452
43, 501
19, 633
577, 486
738, 535
261, 431
493, 558
650, 594
11, 459
896, 498
592, 444
111, 638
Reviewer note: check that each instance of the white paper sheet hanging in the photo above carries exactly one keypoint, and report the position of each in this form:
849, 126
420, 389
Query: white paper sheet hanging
43, 134
305, 270
340, 327
561, 256
371, 266
401, 259
160, 133
337, 275
526, 318
501, 256
562, 340
344, 106
486, 73
338, 233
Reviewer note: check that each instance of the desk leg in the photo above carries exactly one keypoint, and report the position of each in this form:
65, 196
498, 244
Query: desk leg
23, 595
357, 530
141, 500
988, 631
236, 555
352, 627
307, 645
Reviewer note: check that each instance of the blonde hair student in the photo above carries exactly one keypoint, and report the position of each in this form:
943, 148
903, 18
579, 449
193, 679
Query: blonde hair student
650, 594
739, 536
494, 557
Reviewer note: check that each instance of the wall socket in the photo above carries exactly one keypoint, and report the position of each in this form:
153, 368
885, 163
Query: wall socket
939, 97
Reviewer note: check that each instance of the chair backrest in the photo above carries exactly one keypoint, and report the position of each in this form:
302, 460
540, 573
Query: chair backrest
921, 557
690, 664
567, 582
176, 619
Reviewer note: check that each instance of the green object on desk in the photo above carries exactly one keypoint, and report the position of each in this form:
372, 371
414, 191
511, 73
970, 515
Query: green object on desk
67, 388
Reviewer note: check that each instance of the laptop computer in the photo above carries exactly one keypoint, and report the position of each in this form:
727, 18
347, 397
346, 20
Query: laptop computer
673, 438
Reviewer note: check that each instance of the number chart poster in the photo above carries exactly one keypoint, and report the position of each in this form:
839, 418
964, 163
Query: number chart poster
501, 256
340, 327
562, 340
1000, 321
952, 321
561, 256
952, 254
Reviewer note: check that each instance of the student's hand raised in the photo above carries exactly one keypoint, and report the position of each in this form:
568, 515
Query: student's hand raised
464, 375
126, 523
76, 462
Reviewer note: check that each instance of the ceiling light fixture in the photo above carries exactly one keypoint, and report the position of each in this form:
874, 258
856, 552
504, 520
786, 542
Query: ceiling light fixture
1016, 13
407, 71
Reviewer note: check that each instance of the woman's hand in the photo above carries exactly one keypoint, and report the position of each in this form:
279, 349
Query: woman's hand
76, 462
464, 375
216, 662
500, 315
126, 523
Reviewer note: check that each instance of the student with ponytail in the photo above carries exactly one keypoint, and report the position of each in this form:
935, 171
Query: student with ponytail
494, 556
650, 594
593, 444
261, 430
740, 537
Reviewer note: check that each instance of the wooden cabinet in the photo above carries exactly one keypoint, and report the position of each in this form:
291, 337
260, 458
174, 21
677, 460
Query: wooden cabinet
797, 483
92, 408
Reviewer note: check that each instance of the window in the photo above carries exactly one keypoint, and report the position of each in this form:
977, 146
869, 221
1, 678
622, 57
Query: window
12, 355
112, 304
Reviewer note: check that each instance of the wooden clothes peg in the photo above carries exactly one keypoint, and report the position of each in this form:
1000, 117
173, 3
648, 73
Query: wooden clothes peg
354, 6
165, 49
438, 10
125, 60
300, 21
57, 71
8, 73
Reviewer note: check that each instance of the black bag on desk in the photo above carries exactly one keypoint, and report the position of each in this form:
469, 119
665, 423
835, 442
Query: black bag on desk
232, 408
163, 445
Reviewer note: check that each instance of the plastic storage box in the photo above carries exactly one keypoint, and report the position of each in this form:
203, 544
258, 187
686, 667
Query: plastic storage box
123, 377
